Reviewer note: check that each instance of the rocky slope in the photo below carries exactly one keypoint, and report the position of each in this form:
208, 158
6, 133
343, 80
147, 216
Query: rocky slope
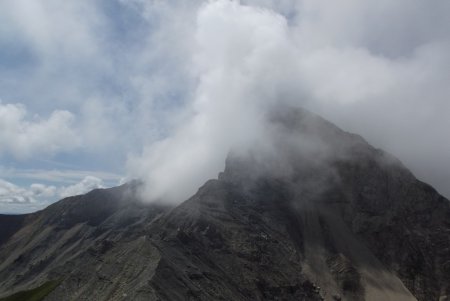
322, 216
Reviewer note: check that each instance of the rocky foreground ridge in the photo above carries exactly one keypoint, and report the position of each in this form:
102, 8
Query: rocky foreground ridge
335, 220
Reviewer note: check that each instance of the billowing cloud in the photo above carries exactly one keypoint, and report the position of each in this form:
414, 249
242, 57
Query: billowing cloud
21, 137
174, 85
16, 199
10, 193
41, 190
333, 59
229, 102
87, 184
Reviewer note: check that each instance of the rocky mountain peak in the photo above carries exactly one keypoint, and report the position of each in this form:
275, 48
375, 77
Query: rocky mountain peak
313, 213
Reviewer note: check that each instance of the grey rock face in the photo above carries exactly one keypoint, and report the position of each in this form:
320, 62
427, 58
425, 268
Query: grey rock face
323, 216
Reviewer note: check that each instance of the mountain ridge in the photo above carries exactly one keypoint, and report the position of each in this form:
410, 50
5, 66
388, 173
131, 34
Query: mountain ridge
329, 218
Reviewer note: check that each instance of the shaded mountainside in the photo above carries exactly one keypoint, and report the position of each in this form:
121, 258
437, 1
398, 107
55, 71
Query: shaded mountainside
9, 224
346, 222
69, 236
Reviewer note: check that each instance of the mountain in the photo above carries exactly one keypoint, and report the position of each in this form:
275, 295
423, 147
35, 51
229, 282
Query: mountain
318, 214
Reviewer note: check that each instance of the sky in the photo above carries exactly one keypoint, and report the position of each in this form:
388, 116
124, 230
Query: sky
96, 92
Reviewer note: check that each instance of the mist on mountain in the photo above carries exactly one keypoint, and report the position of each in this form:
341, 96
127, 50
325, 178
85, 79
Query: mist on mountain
248, 61
315, 213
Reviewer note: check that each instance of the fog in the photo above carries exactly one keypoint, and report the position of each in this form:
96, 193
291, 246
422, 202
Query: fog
377, 69
164, 90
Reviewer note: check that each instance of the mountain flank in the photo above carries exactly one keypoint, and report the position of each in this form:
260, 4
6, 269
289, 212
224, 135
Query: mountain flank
319, 215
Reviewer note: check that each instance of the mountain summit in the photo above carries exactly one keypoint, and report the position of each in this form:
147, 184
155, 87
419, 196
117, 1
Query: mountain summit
314, 214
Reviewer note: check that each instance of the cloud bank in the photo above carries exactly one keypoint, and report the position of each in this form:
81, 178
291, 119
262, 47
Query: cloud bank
162, 90
370, 76
21, 137
87, 184
14, 198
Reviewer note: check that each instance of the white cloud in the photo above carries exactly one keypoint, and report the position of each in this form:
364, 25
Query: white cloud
333, 58
40, 193
41, 190
59, 51
197, 77
21, 137
10, 193
228, 102
87, 184
17, 199
52, 27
